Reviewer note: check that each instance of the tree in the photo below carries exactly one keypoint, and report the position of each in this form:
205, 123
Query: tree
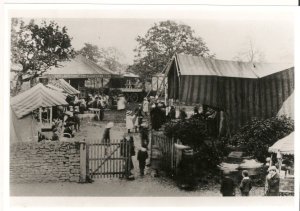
161, 42
250, 53
107, 57
90, 51
35, 48
258, 135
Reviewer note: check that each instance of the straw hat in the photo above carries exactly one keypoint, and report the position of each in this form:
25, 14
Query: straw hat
109, 125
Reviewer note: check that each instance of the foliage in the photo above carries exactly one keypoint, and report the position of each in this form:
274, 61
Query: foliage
258, 135
191, 132
91, 52
107, 57
161, 42
37, 47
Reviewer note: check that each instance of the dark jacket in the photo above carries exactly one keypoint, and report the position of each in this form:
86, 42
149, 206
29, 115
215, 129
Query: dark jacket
127, 148
273, 185
246, 185
227, 187
142, 156
106, 136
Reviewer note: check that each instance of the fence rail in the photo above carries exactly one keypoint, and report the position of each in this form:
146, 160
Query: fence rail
169, 155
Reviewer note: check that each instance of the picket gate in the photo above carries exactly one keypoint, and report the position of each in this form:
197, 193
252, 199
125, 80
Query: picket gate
109, 165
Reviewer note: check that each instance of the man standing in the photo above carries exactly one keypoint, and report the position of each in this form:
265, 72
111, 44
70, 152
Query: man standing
227, 185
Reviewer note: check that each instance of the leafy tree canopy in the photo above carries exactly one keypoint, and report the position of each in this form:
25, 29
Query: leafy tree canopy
108, 57
258, 135
161, 42
37, 47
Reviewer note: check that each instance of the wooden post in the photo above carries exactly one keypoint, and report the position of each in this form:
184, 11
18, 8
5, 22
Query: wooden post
83, 162
51, 115
40, 114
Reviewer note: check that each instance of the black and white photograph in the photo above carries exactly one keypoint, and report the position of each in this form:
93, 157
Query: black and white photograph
152, 103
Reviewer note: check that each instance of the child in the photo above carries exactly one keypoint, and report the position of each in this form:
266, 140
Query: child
129, 121
246, 184
142, 157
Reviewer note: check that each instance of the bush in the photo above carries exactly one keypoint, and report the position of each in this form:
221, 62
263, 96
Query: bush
258, 135
193, 132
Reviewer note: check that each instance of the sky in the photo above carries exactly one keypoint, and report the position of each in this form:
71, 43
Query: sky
225, 35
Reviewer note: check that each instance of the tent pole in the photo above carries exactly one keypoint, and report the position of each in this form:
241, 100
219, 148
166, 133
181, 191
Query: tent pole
40, 114
51, 115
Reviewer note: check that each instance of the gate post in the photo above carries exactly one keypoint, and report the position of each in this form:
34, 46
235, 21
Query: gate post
83, 160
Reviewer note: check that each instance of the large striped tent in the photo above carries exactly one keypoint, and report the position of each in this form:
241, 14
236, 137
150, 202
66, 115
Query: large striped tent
242, 90
36, 97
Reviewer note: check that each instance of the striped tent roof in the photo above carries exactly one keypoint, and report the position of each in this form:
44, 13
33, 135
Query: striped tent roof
79, 67
197, 65
37, 96
284, 146
64, 86
242, 90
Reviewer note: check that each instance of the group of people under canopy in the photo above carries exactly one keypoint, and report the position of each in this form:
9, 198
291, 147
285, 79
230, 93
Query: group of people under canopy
160, 114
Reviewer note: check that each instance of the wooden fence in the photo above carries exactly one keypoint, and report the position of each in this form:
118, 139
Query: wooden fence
169, 155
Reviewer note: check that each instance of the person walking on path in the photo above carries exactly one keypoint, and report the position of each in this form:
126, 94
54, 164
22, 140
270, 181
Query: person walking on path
142, 157
227, 185
106, 135
246, 184
272, 182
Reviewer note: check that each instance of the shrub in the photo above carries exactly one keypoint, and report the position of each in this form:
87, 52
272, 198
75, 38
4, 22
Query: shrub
193, 132
258, 135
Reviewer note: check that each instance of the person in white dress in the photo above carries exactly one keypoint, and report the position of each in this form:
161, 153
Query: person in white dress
146, 106
129, 121
121, 103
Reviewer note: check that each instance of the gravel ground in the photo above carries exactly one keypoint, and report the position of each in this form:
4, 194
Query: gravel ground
141, 186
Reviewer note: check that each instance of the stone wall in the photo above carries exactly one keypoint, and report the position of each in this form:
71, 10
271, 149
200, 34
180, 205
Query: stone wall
46, 161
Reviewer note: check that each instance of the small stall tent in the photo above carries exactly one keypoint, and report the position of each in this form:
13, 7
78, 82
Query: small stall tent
284, 146
64, 86
34, 98
23, 125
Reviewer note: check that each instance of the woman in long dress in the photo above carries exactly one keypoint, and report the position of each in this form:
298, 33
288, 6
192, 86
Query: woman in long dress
121, 103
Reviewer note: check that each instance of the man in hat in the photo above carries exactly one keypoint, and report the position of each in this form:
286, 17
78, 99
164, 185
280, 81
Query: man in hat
156, 117
106, 135
272, 182
128, 150
77, 121
227, 185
